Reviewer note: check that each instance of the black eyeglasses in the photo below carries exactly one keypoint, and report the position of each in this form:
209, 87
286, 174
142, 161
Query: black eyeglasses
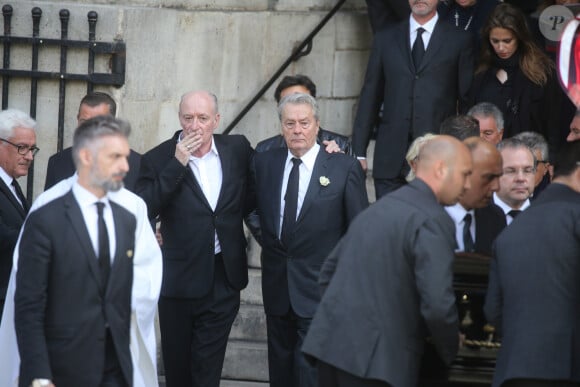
23, 149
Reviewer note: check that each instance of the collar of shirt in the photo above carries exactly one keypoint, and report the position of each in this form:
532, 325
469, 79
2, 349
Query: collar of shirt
8, 181
505, 207
457, 213
86, 201
428, 27
308, 159
213, 152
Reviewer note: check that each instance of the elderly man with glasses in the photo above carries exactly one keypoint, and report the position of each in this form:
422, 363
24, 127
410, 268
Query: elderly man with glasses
17, 150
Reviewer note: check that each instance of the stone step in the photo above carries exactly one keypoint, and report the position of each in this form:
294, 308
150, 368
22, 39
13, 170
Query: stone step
252, 294
227, 383
246, 361
240, 383
250, 324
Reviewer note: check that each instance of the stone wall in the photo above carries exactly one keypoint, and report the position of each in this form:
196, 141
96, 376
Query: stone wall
230, 47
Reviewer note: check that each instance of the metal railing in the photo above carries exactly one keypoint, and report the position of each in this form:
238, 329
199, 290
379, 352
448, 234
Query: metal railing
115, 50
303, 49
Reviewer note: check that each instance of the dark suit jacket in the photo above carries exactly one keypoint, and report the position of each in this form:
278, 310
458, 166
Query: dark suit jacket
290, 273
61, 305
188, 223
388, 287
489, 222
61, 166
534, 290
415, 101
323, 135
12, 215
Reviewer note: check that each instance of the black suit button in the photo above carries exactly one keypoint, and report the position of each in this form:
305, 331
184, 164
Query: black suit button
416, 76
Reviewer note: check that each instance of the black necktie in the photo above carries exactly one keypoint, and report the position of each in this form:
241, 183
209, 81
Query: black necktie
514, 213
468, 245
418, 48
291, 202
20, 194
104, 253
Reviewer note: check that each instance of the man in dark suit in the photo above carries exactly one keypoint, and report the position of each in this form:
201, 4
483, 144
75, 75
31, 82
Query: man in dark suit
534, 285
419, 82
388, 282
198, 184
60, 165
299, 83
75, 272
17, 150
329, 192
477, 220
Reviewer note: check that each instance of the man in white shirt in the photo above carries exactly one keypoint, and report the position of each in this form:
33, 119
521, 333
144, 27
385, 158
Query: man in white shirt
420, 71
477, 220
17, 150
146, 268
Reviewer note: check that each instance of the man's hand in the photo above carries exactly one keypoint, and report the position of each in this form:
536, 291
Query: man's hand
331, 146
187, 146
363, 164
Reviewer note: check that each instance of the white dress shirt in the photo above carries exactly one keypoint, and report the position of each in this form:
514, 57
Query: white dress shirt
506, 208
207, 170
308, 160
147, 276
457, 213
428, 27
87, 202
8, 181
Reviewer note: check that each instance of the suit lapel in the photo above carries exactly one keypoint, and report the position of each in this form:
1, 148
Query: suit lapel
435, 45
75, 216
314, 185
190, 179
404, 44
225, 156
10, 196
276, 178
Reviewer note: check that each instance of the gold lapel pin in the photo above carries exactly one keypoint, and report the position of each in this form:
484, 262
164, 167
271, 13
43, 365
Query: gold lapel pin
130, 253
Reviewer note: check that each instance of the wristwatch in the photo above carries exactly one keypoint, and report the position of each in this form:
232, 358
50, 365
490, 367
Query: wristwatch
40, 383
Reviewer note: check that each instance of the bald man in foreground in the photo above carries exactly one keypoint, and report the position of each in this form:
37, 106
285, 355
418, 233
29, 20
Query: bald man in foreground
388, 283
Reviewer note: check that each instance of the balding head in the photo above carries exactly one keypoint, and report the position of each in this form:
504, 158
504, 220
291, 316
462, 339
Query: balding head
444, 164
484, 179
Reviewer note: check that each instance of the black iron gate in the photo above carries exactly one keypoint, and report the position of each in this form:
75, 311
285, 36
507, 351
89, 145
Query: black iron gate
115, 52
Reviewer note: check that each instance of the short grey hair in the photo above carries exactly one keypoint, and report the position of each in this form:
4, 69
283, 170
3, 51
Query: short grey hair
487, 109
514, 143
535, 141
299, 99
10, 119
90, 131
211, 95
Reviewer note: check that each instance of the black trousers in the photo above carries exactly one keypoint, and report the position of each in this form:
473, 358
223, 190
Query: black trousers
538, 383
113, 376
385, 186
330, 376
194, 333
287, 365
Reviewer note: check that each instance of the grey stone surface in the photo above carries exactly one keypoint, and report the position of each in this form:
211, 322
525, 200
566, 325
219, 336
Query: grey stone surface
250, 324
246, 361
252, 294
